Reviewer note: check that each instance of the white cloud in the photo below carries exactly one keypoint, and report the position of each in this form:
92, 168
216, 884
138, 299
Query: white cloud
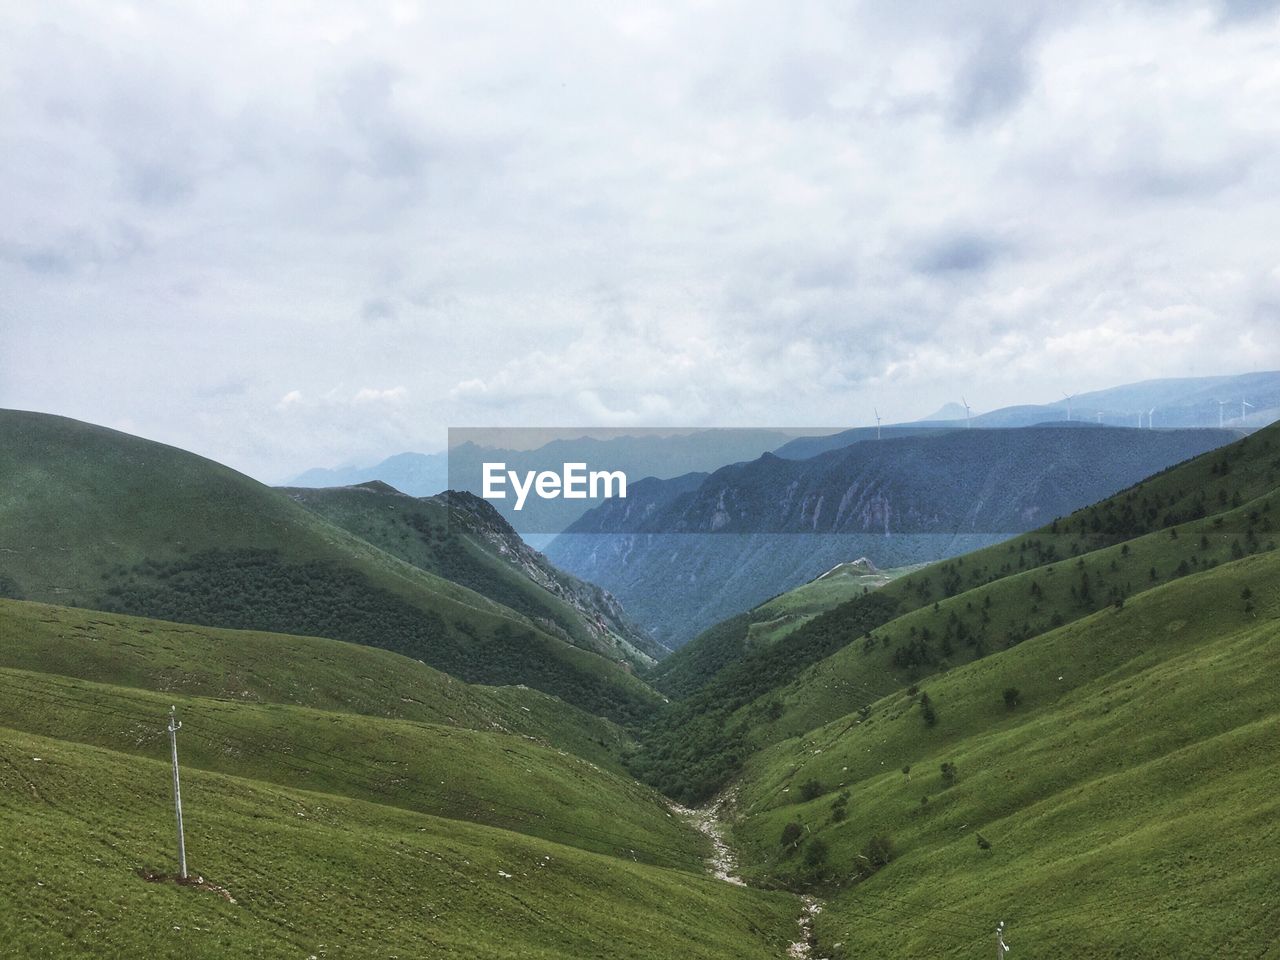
374, 395
249, 230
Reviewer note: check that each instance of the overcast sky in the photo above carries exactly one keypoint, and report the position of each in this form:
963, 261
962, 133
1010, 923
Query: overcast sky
325, 233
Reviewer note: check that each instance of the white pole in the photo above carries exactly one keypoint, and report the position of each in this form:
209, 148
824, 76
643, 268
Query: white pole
174, 727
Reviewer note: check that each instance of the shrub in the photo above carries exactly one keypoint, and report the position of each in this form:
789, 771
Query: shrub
1012, 697
926, 710
949, 774
809, 790
791, 834
815, 854
877, 853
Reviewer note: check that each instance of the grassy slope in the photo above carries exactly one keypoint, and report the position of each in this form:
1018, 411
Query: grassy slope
484, 774
484, 777
93, 517
1005, 612
324, 876
421, 532
778, 618
1137, 780
696, 664
253, 667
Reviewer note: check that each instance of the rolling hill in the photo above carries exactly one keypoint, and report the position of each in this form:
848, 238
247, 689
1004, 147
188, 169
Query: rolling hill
99, 519
473, 756
339, 801
253, 667
681, 562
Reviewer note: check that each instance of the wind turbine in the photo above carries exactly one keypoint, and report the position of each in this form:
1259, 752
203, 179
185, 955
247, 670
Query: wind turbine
1243, 405
1221, 404
966, 412
1151, 419
1070, 397
877, 423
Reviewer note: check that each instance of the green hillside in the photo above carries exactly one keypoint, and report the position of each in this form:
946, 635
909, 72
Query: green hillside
778, 618
1135, 773
1075, 731
461, 538
461, 774
696, 664
339, 800
266, 668
315, 875
96, 518
1211, 510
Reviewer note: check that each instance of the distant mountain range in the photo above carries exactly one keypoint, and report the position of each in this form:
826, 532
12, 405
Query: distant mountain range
417, 474
682, 554
1174, 402
645, 454
1177, 402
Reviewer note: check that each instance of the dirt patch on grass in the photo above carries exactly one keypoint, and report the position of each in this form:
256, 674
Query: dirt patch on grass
191, 880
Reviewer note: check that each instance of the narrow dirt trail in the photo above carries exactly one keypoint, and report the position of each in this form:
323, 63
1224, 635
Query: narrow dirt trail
723, 865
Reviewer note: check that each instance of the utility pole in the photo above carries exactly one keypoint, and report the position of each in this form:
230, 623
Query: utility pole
174, 727
1001, 947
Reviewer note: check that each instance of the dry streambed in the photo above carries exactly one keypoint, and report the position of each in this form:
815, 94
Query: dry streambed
709, 820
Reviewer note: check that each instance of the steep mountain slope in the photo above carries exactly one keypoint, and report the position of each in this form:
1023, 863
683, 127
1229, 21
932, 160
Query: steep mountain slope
681, 563
95, 518
462, 538
1131, 775
1212, 510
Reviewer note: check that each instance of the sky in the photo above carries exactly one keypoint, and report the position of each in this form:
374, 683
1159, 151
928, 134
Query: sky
310, 234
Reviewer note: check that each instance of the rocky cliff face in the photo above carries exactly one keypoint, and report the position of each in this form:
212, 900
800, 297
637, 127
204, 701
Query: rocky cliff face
601, 612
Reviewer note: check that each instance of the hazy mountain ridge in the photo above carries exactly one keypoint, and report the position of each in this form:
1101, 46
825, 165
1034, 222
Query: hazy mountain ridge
639, 456
682, 560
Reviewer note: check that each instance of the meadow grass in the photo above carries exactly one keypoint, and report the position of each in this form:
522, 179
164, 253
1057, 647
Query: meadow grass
317, 875
1136, 777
